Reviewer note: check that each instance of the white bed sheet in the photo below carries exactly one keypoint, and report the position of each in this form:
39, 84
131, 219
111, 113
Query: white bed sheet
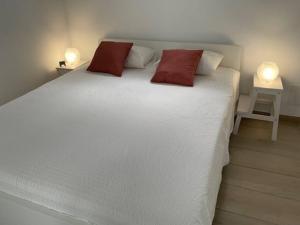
120, 151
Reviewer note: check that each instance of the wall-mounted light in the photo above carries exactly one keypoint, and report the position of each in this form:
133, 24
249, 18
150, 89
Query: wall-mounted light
268, 71
72, 56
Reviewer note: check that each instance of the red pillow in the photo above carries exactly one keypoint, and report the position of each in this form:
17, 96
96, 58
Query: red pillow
178, 67
110, 57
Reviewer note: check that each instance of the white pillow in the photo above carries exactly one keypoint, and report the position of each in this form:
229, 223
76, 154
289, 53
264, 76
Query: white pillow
139, 57
209, 62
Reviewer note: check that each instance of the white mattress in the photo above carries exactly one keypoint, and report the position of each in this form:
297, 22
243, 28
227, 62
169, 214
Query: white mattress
120, 151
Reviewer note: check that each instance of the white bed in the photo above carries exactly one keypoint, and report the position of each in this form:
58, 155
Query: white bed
121, 151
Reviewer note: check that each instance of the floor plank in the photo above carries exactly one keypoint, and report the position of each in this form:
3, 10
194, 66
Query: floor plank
262, 130
287, 149
265, 182
261, 186
228, 218
266, 162
259, 206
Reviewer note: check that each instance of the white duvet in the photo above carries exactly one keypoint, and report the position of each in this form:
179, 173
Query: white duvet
120, 151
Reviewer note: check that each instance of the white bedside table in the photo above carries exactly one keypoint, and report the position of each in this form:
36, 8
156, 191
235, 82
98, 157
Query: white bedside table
63, 70
247, 103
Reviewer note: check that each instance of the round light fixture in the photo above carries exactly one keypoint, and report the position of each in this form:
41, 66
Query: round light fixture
268, 71
72, 56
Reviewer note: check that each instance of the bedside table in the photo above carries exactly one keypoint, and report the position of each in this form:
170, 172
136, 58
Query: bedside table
63, 70
246, 105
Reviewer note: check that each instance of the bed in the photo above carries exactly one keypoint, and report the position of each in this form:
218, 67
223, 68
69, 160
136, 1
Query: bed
122, 151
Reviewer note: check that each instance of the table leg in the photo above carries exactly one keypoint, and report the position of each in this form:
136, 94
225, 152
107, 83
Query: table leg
276, 117
237, 125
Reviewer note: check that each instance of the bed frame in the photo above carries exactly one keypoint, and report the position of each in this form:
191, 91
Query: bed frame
17, 211
232, 53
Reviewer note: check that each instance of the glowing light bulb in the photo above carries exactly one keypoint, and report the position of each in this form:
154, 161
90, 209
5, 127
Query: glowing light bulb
72, 56
268, 71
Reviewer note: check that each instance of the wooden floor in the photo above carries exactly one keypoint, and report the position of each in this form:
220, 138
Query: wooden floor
261, 186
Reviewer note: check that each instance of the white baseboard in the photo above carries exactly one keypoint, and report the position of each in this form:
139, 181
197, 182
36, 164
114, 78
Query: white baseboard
290, 110
290, 105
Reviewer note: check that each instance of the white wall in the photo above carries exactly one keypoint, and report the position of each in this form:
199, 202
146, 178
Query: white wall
33, 38
266, 29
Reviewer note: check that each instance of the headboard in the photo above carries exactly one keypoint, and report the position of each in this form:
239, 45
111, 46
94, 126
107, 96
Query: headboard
232, 53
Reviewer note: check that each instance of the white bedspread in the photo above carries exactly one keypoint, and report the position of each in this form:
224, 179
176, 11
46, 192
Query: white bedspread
120, 151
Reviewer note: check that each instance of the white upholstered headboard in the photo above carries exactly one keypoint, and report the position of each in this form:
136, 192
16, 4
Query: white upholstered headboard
232, 53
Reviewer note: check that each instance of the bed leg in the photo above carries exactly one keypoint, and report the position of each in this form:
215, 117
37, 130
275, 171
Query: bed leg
237, 125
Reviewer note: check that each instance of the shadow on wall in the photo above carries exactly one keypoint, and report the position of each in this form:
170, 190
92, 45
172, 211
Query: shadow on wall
33, 39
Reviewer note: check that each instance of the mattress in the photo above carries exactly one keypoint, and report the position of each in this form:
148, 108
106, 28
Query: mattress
120, 151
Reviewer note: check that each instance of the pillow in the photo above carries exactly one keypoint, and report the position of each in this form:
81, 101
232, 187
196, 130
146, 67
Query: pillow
139, 57
178, 67
209, 62
110, 57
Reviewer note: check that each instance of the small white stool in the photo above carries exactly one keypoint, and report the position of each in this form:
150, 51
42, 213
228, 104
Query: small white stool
247, 103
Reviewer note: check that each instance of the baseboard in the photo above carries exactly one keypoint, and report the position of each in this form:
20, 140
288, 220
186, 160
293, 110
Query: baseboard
290, 110
286, 109
290, 118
